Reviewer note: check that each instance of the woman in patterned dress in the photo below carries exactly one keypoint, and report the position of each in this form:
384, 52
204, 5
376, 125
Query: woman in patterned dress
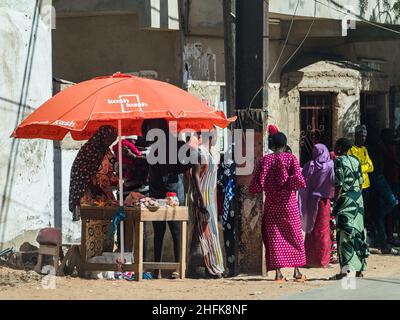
92, 178
332, 224
279, 176
227, 192
91, 170
349, 210
205, 249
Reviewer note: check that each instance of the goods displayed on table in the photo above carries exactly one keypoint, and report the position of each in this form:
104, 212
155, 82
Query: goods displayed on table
146, 202
95, 203
136, 199
133, 198
172, 199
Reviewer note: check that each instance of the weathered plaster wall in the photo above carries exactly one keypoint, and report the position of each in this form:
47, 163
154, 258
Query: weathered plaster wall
85, 47
204, 59
346, 85
386, 51
205, 17
71, 229
26, 168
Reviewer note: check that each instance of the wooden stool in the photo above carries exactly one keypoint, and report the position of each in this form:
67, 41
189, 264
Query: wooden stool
48, 250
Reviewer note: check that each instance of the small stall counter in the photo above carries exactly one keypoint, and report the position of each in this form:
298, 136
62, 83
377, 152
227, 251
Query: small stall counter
135, 217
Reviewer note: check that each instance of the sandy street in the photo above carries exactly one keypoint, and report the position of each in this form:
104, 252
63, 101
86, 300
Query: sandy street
22, 285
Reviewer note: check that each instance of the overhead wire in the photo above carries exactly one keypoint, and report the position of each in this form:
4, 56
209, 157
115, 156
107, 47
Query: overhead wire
279, 57
355, 15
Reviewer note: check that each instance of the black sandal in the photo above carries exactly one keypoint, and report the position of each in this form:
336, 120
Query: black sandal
194, 273
338, 276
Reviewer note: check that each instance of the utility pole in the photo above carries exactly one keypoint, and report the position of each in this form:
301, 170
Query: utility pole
264, 270
266, 55
182, 6
250, 102
229, 9
249, 52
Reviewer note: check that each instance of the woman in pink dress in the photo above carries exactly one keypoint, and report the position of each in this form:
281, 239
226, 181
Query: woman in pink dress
279, 176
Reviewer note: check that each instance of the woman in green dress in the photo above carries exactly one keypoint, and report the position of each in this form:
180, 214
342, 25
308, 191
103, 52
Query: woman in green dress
349, 211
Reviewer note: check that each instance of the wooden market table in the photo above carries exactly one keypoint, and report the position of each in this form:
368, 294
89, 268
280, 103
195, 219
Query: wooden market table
135, 217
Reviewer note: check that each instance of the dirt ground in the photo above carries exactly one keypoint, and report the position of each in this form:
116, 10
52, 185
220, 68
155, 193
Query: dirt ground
16, 284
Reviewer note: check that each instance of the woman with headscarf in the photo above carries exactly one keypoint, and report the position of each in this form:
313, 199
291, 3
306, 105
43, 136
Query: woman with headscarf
92, 178
315, 207
349, 211
271, 131
91, 173
279, 176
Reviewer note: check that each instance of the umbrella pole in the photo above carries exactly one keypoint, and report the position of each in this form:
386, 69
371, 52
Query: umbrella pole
121, 191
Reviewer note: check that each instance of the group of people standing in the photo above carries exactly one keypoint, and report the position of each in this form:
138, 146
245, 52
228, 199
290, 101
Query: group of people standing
297, 220
93, 176
298, 201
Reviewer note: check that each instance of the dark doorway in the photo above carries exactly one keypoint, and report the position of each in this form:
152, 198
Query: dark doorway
316, 122
371, 114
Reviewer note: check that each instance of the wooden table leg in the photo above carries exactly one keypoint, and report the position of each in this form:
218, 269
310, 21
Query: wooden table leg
138, 250
83, 249
182, 270
129, 228
38, 267
77, 262
56, 259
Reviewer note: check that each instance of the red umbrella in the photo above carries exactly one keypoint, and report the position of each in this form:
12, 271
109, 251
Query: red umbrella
84, 107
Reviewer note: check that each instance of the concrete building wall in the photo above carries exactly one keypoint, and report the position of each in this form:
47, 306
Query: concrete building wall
26, 168
85, 47
386, 51
154, 14
71, 229
345, 84
375, 10
204, 41
205, 17
204, 59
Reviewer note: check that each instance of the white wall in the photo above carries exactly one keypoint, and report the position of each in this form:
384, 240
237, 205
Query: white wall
71, 230
26, 168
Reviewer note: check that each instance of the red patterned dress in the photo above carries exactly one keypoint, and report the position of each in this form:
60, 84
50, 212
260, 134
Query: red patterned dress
279, 176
